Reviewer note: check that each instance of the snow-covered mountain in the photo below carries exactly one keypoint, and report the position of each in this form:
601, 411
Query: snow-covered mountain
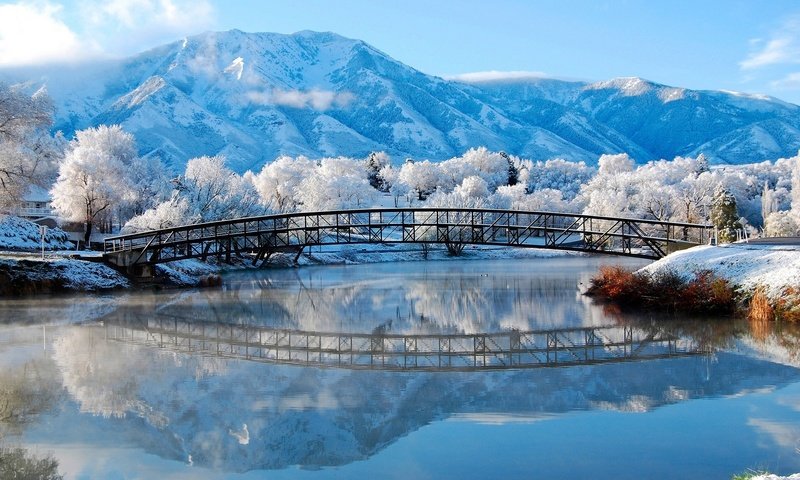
254, 96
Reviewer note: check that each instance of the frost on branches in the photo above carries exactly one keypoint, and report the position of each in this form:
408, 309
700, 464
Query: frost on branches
99, 178
207, 191
28, 153
724, 215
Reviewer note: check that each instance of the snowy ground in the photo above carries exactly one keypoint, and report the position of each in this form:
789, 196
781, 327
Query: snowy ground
70, 274
794, 476
746, 266
20, 234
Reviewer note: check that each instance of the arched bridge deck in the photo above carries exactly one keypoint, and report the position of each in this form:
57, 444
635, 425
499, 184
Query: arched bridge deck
384, 351
265, 235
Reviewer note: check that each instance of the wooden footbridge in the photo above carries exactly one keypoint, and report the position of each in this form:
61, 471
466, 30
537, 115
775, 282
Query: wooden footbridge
263, 236
512, 349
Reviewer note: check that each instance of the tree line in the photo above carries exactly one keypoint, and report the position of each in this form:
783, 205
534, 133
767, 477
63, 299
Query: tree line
98, 178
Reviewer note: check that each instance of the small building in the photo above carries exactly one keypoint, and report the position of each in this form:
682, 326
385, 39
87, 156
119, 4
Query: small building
36, 206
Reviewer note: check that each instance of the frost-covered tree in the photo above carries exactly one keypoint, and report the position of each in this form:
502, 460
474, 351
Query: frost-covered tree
337, 183
150, 182
473, 187
207, 191
278, 181
391, 183
94, 177
215, 192
472, 193
781, 224
556, 174
769, 203
171, 213
724, 215
615, 164
796, 184
27, 151
610, 193
421, 178
544, 200
492, 167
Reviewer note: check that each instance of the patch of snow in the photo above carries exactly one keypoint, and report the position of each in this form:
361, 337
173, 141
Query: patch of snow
236, 68
628, 86
746, 266
19, 234
141, 93
770, 476
494, 76
670, 94
77, 275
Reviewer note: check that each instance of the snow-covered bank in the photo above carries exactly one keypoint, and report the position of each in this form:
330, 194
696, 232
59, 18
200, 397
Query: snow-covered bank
22, 274
745, 266
20, 234
29, 275
769, 476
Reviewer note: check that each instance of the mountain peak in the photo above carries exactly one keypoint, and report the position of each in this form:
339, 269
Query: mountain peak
628, 86
255, 96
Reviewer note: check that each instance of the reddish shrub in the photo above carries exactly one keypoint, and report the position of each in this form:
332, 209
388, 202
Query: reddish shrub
706, 293
788, 306
618, 285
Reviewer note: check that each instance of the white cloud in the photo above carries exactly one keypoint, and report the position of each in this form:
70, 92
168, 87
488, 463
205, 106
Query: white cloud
315, 99
32, 33
164, 15
494, 75
789, 82
128, 26
783, 47
785, 436
36, 32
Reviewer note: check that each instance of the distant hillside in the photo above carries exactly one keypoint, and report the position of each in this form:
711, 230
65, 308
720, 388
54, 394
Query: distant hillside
254, 96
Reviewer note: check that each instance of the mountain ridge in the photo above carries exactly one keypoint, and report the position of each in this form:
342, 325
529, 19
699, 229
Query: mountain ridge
255, 96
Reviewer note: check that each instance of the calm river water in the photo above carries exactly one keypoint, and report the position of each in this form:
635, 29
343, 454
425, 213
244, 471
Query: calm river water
456, 369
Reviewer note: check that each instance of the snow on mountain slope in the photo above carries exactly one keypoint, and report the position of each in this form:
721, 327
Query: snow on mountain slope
254, 96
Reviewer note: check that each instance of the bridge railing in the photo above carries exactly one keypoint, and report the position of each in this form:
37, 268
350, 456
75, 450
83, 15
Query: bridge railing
637, 237
513, 349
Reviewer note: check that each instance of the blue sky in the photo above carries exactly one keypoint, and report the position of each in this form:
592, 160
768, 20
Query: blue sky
747, 46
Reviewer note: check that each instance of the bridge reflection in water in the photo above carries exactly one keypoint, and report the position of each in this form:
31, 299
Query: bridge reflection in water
413, 352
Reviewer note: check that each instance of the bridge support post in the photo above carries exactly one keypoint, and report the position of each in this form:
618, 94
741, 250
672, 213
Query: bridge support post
297, 257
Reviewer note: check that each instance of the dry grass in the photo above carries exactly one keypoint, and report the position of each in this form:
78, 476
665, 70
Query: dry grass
760, 309
787, 307
705, 293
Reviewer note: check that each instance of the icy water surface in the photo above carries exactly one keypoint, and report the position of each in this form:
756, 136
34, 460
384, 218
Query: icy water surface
458, 369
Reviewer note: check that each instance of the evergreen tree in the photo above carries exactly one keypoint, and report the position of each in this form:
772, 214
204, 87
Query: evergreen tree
374, 163
724, 215
513, 171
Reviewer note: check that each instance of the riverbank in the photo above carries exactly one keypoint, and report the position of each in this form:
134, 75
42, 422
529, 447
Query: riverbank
747, 266
60, 272
26, 273
760, 278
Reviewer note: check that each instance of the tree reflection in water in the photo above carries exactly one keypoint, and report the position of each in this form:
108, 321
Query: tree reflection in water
194, 407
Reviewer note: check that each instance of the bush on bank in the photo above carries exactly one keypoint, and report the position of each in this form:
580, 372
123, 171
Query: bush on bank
705, 293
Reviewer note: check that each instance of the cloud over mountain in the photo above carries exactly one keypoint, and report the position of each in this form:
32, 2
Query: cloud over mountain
254, 96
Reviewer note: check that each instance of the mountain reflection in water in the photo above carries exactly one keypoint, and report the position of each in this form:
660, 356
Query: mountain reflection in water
234, 415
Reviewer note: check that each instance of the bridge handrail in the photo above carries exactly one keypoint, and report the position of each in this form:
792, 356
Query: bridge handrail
279, 216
